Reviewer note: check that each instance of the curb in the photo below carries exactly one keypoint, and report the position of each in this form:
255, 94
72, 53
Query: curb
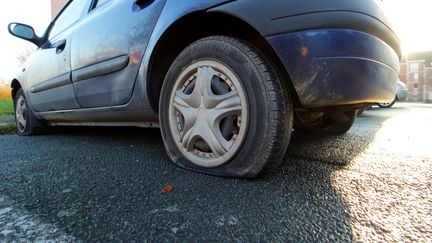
7, 119
7, 125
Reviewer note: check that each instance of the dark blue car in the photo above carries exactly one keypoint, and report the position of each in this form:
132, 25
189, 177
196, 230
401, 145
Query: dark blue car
226, 81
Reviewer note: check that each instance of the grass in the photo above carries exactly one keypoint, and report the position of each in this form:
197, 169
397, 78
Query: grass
6, 107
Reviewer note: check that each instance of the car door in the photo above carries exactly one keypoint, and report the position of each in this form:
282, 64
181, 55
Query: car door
48, 70
107, 48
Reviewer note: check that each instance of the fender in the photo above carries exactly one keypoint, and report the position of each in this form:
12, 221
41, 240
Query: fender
301, 33
171, 13
278, 17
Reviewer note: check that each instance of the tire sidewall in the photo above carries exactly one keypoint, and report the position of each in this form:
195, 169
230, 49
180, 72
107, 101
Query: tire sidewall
27, 129
258, 112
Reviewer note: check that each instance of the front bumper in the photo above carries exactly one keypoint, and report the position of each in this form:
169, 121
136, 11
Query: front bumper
331, 67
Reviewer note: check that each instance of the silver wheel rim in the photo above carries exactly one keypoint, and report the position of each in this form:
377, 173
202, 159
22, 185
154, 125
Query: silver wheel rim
20, 114
200, 119
384, 104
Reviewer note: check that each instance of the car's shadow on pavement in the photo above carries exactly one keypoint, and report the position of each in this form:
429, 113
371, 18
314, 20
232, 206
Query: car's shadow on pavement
104, 184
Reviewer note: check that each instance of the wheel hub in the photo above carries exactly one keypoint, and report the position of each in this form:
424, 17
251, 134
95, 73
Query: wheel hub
208, 111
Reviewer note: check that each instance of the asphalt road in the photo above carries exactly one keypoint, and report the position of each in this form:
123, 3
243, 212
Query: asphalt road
371, 184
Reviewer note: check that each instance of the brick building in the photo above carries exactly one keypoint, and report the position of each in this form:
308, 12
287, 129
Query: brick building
56, 5
416, 72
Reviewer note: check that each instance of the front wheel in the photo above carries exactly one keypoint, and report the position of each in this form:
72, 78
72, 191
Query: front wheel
26, 123
223, 111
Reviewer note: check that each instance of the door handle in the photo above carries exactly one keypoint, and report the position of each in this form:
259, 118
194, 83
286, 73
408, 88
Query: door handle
143, 3
60, 46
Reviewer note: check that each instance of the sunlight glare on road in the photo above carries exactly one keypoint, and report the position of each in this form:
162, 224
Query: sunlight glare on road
409, 140
386, 187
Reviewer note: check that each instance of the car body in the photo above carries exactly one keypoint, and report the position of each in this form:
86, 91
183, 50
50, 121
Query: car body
402, 91
401, 94
109, 65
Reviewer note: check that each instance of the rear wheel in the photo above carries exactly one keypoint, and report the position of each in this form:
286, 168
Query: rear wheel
26, 123
223, 111
331, 122
387, 105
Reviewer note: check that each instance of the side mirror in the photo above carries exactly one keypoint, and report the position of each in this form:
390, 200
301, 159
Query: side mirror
25, 32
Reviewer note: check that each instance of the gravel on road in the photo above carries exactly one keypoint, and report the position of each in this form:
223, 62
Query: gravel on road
7, 125
87, 184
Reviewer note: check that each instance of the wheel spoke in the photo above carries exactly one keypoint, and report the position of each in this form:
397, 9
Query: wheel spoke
22, 121
231, 99
19, 108
228, 107
219, 114
189, 138
212, 100
218, 144
181, 100
198, 110
189, 113
204, 80
20, 113
204, 76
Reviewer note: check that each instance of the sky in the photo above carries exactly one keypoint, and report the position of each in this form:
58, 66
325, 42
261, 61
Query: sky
36, 13
412, 20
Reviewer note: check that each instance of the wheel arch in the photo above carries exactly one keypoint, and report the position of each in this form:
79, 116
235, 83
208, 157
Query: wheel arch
15, 86
195, 26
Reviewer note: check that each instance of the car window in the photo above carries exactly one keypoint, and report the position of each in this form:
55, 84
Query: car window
100, 2
69, 16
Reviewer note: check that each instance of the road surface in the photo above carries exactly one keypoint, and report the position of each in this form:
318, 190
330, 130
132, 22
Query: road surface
371, 184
